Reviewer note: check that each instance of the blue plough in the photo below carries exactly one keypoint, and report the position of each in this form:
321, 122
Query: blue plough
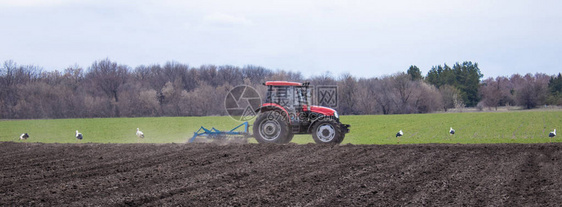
215, 134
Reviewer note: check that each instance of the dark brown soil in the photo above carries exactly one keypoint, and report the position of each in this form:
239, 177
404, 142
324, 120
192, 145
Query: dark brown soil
280, 175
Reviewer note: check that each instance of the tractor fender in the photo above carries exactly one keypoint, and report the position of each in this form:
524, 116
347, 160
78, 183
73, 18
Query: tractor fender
319, 113
316, 117
344, 127
273, 107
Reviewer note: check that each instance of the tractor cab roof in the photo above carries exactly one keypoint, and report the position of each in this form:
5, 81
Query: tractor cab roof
282, 83
285, 83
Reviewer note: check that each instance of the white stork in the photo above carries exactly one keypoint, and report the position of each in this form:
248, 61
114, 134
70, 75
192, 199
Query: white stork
451, 131
552, 134
400, 133
78, 135
24, 136
139, 133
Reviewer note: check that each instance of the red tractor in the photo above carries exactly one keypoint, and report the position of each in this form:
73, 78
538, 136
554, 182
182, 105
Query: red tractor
287, 112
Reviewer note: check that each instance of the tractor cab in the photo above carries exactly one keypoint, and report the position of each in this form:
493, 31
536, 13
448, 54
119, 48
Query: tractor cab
290, 96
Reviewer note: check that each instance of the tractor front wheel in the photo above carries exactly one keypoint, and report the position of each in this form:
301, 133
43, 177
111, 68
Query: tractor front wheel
327, 132
271, 127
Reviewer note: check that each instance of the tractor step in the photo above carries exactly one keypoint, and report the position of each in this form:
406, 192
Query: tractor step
295, 128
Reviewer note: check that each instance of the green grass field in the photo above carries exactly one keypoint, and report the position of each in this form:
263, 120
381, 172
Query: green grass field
481, 127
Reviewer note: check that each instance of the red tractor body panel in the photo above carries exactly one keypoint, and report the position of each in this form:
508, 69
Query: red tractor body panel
320, 109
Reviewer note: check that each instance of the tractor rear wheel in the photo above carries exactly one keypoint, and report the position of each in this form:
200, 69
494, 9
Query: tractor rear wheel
327, 132
271, 127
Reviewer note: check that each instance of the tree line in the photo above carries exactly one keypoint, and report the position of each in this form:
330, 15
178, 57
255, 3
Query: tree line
110, 89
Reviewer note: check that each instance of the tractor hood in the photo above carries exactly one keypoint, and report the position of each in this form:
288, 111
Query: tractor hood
321, 110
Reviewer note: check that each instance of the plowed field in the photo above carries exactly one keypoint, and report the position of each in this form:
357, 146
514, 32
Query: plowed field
280, 175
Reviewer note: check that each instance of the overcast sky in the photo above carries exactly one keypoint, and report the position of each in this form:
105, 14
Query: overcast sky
365, 38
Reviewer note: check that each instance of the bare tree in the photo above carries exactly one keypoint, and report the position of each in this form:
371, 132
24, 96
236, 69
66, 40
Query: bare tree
206, 100
13, 76
108, 77
281, 75
428, 98
208, 74
230, 75
451, 97
496, 92
491, 93
405, 89
365, 96
148, 103
384, 95
347, 89
256, 74
323, 80
532, 90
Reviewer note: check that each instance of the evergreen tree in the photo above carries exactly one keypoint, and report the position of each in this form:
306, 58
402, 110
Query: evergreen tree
415, 73
467, 80
555, 84
465, 77
555, 89
432, 76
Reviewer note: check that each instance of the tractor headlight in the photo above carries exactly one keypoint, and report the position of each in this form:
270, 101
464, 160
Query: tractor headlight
336, 115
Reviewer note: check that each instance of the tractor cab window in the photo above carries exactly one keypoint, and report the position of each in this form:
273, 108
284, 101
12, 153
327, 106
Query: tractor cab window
282, 95
290, 98
303, 96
